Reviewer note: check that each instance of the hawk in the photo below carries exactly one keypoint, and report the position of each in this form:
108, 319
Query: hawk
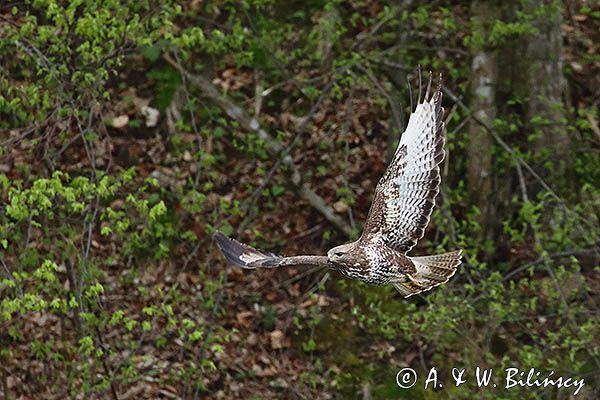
402, 205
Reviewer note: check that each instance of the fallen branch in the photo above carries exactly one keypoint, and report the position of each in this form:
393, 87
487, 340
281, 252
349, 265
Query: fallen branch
256, 193
273, 146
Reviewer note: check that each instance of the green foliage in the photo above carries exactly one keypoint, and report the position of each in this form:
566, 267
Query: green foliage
167, 81
54, 272
71, 47
79, 239
488, 320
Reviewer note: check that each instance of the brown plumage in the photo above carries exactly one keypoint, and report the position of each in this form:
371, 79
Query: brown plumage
401, 208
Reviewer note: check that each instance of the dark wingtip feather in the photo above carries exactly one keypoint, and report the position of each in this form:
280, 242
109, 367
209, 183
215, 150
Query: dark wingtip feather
223, 241
231, 249
428, 90
219, 237
435, 95
242, 255
420, 84
438, 92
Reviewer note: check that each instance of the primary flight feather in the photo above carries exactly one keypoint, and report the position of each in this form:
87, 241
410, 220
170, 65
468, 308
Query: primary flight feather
400, 212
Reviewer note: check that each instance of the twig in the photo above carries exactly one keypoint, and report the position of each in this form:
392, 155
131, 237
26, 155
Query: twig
362, 37
107, 370
491, 131
384, 93
175, 114
258, 99
518, 160
449, 116
425, 48
540, 260
28, 130
501, 142
10, 276
211, 327
273, 146
285, 153
297, 277
460, 125
88, 230
594, 125
522, 182
307, 232
345, 128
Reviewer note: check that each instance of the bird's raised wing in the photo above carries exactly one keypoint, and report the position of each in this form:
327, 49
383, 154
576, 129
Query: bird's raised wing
248, 257
405, 195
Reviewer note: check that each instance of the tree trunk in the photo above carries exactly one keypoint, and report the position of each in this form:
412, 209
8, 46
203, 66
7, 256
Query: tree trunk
546, 85
531, 72
483, 102
525, 67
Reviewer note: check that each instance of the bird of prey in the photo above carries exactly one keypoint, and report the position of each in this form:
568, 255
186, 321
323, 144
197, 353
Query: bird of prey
402, 205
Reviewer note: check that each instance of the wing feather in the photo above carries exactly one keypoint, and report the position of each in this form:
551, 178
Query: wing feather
248, 257
245, 256
405, 196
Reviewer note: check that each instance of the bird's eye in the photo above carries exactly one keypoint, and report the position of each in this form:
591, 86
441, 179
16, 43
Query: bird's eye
339, 254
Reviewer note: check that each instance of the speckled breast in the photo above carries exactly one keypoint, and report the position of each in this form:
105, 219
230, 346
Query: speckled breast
366, 275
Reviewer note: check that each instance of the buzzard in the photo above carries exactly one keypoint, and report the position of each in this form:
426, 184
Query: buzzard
401, 208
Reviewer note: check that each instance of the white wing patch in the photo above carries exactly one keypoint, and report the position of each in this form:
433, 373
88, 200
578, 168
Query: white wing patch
251, 257
411, 182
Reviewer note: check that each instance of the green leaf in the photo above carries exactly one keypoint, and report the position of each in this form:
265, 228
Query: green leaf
226, 228
157, 211
151, 53
277, 190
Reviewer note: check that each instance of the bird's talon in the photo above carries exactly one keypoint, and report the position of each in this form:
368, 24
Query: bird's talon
413, 280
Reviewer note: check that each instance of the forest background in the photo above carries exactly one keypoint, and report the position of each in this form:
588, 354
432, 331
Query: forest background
131, 130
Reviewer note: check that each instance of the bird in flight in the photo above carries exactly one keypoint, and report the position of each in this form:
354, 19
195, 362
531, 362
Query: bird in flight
402, 205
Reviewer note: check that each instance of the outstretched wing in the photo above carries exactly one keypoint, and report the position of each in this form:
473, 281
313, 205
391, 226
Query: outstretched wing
248, 257
405, 195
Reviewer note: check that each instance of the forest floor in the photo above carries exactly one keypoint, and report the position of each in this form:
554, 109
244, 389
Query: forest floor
289, 333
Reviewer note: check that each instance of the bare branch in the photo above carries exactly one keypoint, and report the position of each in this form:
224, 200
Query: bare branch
236, 113
542, 259
10, 276
502, 143
518, 160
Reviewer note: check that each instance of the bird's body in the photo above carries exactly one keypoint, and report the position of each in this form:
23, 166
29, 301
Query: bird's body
402, 205
390, 264
373, 263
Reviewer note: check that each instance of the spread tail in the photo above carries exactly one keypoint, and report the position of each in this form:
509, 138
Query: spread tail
431, 271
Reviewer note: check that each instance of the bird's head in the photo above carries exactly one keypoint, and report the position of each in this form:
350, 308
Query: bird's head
340, 253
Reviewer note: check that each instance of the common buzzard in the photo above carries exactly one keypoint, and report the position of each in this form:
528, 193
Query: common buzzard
401, 208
